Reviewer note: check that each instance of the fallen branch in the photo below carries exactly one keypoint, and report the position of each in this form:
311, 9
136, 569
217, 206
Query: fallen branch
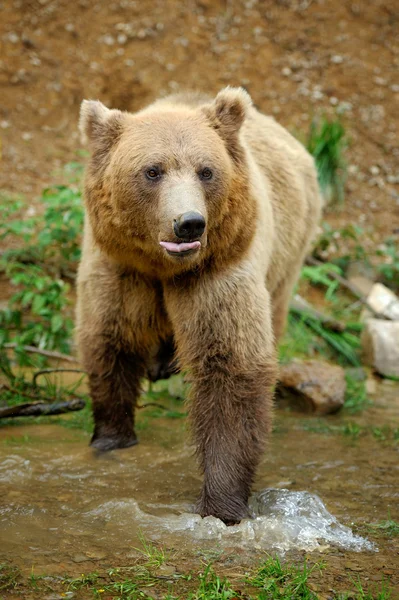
303, 308
311, 261
44, 371
38, 409
49, 353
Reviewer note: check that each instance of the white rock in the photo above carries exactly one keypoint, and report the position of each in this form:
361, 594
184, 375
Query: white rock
383, 301
380, 345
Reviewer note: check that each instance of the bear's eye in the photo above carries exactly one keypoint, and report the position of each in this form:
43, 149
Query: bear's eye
153, 173
206, 174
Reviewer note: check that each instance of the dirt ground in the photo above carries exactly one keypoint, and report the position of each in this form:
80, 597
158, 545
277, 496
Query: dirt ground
297, 58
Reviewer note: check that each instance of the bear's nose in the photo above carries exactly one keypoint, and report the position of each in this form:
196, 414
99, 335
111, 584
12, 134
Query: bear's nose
189, 225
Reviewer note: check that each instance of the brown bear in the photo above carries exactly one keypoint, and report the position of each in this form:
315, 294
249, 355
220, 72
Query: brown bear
199, 214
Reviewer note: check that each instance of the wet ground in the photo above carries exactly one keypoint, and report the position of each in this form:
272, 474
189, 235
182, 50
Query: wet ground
66, 510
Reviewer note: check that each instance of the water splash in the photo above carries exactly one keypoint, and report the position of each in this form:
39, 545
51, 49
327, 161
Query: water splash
282, 520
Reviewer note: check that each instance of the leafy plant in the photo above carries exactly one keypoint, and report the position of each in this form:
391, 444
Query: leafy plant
327, 142
320, 275
282, 582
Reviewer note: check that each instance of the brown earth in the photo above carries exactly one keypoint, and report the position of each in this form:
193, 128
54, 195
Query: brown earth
297, 58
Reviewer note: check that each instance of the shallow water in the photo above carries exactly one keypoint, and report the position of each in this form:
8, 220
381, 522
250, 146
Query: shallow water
62, 504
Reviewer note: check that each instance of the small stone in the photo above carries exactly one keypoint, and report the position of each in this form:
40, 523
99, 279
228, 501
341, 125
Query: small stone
286, 71
79, 558
13, 37
334, 101
108, 39
337, 59
165, 571
374, 170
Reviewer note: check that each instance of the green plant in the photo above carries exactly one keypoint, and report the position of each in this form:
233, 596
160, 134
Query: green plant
327, 142
320, 275
389, 527
35, 314
388, 269
372, 593
9, 577
283, 582
212, 587
356, 398
155, 556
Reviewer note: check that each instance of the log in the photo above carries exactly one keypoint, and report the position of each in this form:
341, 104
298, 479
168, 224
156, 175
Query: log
38, 409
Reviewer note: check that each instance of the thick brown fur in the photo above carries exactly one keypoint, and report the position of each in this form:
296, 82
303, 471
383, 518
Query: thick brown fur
221, 308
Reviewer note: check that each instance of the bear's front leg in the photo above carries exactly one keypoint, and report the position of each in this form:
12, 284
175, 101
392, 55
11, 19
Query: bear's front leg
119, 322
224, 337
114, 380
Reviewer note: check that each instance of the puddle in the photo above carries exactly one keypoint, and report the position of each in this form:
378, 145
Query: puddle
61, 504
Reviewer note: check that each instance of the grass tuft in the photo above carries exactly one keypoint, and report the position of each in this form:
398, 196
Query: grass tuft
282, 582
327, 143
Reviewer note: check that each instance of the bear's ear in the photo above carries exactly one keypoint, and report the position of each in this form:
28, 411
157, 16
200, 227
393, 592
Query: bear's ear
99, 126
229, 109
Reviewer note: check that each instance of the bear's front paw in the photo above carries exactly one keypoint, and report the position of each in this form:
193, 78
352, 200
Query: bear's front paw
229, 510
112, 441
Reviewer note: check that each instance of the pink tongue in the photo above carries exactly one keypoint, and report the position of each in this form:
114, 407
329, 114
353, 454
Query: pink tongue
172, 247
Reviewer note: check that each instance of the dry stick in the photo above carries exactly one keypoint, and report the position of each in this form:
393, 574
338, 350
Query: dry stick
151, 404
48, 353
347, 284
44, 371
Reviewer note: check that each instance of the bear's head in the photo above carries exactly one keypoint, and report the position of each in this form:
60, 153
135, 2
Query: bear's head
167, 188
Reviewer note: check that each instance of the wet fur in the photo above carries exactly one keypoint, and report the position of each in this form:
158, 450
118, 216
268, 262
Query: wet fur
222, 310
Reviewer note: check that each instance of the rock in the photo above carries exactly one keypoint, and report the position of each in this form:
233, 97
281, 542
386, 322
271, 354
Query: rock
312, 386
383, 301
165, 571
380, 346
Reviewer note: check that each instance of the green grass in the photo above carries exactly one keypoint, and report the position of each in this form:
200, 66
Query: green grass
356, 398
374, 592
212, 587
389, 527
279, 581
9, 577
271, 580
327, 142
352, 430
154, 554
